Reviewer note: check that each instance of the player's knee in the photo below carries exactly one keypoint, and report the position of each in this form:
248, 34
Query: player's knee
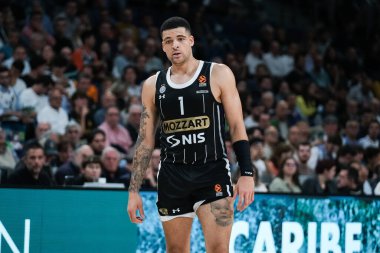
218, 248
176, 248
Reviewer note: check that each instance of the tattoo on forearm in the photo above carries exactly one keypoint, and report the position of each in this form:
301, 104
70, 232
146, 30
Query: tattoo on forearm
222, 211
142, 155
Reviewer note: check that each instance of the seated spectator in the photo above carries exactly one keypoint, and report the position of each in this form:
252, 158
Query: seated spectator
133, 121
72, 167
372, 138
85, 55
58, 68
8, 98
17, 83
116, 134
19, 53
38, 67
287, 179
328, 149
364, 180
74, 134
31, 172
280, 153
53, 113
81, 112
323, 183
8, 158
108, 99
306, 161
64, 153
34, 99
348, 182
256, 149
97, 141
351, 132
111, 171
91, 168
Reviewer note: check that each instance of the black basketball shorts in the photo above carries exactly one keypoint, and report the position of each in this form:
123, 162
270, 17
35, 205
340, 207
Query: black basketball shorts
183, 188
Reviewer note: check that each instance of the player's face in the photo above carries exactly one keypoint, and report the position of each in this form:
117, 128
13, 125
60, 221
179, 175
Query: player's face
177, 44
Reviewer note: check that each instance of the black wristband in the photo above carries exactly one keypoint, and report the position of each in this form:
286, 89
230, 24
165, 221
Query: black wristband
243, 158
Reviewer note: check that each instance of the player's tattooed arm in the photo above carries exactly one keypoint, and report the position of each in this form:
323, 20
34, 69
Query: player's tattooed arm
142, 155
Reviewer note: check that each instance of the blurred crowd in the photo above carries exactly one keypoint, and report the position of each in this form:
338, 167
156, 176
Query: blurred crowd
71, 75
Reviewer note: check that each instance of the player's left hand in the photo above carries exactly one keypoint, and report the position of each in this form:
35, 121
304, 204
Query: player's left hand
245, 189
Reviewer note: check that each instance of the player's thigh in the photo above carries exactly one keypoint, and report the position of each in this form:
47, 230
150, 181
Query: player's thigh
177, 234
217, 219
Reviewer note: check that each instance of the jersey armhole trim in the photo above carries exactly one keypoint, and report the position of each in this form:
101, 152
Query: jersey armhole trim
212, 94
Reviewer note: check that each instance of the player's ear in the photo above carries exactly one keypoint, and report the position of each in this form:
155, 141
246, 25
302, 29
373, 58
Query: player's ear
191, 39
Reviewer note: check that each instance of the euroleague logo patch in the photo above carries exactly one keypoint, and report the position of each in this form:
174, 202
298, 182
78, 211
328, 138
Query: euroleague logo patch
202, 81
218, 188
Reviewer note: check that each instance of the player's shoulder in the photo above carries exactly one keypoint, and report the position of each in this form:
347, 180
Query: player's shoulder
220, 68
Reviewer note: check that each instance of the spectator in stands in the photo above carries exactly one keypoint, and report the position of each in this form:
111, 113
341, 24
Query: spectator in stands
153, 63
327, 150
275, 61
36, 26
287, 179
85, 55
280, 118
54, 113
133, 121
323, 183
280, 153
270, 140
58, 68
8, 158
351, 132
60, 27
97, 141
363, 177
108, 99
372, 138
91, 169
71, 169
254, 57
19, 53
116, 134
306, 163
17, 83
348, 182
31, 171
38, 67
126, 86
8, 98
256, 151
111, 171
74, 134
81, 112
70, 13
124, 59
318, 73
293, 137
65, 153
34, 99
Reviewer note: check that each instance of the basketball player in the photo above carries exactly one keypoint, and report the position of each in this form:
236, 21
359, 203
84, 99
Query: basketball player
191, 100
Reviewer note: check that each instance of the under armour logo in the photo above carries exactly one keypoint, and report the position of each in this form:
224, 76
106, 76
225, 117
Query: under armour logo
176, 210
161, 96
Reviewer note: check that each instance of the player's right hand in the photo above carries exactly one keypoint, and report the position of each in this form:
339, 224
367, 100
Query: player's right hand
134, 204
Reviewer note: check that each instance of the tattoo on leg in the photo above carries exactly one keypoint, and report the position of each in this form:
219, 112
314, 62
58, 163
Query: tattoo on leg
222, 211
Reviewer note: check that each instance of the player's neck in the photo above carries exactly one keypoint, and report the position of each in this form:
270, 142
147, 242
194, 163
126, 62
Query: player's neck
186, 68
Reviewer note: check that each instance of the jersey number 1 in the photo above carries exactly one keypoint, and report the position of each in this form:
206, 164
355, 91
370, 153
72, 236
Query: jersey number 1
181, 105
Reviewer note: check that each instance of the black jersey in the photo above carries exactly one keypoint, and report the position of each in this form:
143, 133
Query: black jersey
192, 121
